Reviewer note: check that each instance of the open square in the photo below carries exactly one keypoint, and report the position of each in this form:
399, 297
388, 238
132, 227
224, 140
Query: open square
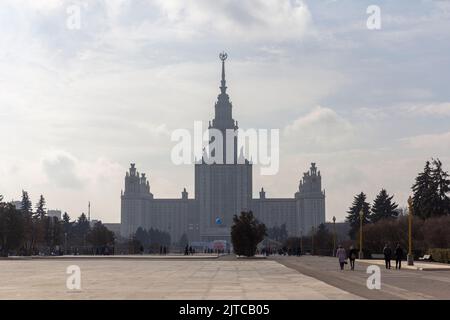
161, 279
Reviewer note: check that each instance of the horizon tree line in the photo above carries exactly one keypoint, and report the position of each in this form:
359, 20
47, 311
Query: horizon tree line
429, 199
27, 232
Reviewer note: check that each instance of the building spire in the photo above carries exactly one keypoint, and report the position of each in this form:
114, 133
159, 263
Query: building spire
223, 87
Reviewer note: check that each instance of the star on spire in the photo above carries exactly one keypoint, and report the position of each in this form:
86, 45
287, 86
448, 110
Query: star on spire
223, 87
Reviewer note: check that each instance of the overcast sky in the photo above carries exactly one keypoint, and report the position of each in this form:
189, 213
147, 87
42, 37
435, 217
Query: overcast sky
78, 105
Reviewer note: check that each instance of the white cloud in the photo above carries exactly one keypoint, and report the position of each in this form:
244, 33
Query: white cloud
61, 170
372, 114
322, 129
238, 20
436, 143
434, 109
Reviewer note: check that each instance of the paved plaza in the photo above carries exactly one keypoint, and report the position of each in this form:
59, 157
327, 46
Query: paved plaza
161, 279
407, 283
145, 277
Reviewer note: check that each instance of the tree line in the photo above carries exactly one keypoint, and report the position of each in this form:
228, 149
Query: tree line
430, 199
385, 223
152, 240
24, 231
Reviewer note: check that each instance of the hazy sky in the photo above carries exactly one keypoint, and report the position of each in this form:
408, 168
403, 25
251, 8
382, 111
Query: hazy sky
78, 105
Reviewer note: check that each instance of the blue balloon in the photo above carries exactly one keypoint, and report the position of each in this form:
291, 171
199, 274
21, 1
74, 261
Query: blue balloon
218, 221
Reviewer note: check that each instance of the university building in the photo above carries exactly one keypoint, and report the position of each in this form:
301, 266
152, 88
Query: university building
221, 191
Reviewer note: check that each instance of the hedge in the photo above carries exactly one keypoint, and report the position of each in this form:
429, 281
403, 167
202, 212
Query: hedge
440, 255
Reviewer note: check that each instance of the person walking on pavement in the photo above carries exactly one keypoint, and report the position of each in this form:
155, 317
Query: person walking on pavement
398, 256
387, 255
352, 257
342, 256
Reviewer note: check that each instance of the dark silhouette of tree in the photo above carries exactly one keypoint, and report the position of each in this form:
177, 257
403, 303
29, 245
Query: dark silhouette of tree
11, 228
53, 232
152, 239
80, 230
246, 233
142, 236
391, 231
40, 212
436, 232
430, 191
323, 241
383, 207
26, 206
442, 185
276, 233
427, 234
83, 223
67, 225
41, 225
29, 224
100, 236
359, 202
134, 245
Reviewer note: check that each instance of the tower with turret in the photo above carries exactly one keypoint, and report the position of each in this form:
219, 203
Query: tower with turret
223, 188
310, 200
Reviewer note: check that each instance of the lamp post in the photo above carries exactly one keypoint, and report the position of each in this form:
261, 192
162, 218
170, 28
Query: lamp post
410, 257
312, 241
334, 236
361, 216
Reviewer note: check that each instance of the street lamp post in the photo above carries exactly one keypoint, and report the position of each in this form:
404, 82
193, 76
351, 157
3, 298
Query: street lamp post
312, 241
334, 235
410, 256
361, 216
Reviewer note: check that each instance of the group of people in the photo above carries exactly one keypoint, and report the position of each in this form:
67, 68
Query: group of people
342, 256
398, 254
162, 250
188, 250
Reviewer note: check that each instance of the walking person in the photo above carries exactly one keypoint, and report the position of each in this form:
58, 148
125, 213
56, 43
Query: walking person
342, 256
352, 257
387, 255
398, 256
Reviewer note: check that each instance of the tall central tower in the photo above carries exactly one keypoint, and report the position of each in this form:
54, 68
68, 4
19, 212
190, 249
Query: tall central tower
222, 189
223, 120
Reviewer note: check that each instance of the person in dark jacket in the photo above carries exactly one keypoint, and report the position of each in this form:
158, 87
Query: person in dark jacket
352, 257
387, 251
398, 256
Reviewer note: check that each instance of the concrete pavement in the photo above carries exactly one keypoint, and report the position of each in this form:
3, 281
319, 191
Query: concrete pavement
395, 284
418, 265
209, 277
115, 278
